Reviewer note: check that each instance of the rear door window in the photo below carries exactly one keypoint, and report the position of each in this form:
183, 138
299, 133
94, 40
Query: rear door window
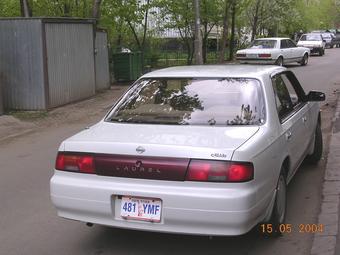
284, 44
291, 44
287, 98
189, 101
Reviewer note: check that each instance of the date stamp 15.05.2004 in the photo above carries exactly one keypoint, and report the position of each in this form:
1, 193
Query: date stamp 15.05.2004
290, 228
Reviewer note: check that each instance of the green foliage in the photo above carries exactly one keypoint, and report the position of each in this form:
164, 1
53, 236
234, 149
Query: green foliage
9, 8
125, 19
62, 8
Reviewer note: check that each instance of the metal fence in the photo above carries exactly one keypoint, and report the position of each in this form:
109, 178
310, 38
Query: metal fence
102, 61
175, 58
70, 62
46, 62
21, 64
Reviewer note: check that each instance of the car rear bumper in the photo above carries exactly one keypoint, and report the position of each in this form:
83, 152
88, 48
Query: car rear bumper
315, 49
187, 207
257, 61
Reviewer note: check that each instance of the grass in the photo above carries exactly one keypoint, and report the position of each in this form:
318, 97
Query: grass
29, 115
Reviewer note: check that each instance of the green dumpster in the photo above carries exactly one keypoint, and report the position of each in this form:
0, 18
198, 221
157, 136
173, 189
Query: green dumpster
127, 66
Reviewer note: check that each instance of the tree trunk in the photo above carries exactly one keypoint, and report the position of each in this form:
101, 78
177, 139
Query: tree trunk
198, 36
255, 21
205, 43
134, 32
25, 8
96, 9
145, 23
85, 10
232, 37
67, 10
225, 32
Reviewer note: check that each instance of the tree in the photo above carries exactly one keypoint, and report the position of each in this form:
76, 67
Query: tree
25, 8
179, 15
225, 31
96, 9
198, 37
211, 15
134, 14
10, 8
232, 37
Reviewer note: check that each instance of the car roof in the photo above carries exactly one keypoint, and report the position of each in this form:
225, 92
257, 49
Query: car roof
273, 38
312, 34
216, 71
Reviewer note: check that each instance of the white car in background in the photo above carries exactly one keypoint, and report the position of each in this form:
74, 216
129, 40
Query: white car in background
314, 42
278, 51
205, 150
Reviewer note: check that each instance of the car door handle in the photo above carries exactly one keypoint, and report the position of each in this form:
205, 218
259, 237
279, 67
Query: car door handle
288, 135
304, 119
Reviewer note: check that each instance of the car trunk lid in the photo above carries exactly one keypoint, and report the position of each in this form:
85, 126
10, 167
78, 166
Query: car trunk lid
155, 151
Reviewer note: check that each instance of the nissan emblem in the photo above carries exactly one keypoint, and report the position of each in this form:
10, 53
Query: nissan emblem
140, 149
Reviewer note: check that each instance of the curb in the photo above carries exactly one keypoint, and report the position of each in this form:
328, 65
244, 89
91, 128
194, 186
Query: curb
324, 243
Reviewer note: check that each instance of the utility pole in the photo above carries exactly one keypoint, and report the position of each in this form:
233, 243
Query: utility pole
198, 36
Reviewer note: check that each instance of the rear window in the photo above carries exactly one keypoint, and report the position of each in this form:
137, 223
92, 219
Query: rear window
188, 101
311, 37
263, 44
328, 36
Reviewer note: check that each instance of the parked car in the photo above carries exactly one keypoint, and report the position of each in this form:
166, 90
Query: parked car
329, 38
336, 40
204, 150
314, 42
277, 51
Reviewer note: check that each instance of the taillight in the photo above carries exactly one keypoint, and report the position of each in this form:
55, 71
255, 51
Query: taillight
265, 55
219, 171
75, 163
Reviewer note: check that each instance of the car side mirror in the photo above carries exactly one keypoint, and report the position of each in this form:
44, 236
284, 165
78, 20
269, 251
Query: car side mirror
316, 96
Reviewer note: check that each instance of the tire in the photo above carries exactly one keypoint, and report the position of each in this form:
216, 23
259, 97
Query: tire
304, 60
315, 157
280, 205
279, 61
321, 52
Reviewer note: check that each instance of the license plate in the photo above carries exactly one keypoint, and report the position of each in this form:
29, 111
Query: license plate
252, 55
144, 209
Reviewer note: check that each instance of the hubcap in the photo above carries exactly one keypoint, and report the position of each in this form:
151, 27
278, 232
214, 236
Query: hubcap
281, 198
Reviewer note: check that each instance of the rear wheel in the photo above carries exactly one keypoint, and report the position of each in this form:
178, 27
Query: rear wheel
279, 210
315, 157
321, 52
304, 60
279, 61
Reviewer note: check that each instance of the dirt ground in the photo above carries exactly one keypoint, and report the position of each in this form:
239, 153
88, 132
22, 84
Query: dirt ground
23, 122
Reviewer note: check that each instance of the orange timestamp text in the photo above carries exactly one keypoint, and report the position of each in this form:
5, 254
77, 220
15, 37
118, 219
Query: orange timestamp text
289, 228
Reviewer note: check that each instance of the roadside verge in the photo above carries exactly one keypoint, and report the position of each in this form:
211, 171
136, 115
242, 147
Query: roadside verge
324, 242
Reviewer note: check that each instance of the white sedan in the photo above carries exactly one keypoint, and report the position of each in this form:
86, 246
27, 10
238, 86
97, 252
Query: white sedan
204, 150
278, 51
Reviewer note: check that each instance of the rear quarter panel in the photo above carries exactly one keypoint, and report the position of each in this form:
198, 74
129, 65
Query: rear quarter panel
267, 149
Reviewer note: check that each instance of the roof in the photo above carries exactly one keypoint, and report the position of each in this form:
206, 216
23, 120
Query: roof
205, 71
273, 38
50, 19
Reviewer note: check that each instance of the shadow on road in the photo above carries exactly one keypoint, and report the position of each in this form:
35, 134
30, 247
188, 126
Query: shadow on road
106, 240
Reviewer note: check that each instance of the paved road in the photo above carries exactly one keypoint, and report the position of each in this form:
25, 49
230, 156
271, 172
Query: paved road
29, 225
